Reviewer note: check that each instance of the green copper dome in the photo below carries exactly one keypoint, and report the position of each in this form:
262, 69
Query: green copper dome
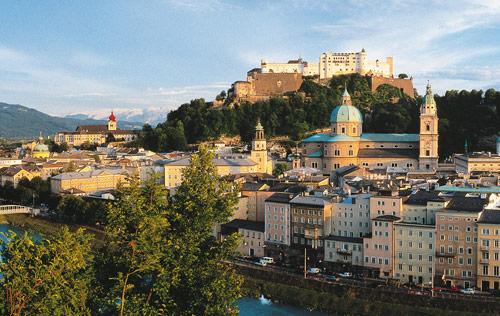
346, 113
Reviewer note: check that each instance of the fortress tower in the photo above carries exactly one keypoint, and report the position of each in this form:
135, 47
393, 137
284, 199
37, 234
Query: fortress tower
428, 156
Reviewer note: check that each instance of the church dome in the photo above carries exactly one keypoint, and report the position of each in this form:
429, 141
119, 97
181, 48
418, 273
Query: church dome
41, 148
346, 113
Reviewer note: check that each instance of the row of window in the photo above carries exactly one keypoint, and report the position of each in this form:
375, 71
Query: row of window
308, 212
312, 221
351, 215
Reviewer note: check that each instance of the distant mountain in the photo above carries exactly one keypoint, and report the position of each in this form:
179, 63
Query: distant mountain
17, 121
152, 116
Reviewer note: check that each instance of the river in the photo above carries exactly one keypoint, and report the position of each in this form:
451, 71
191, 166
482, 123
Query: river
262, 307
248, 306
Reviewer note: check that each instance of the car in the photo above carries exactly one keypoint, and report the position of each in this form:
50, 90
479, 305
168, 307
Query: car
313, 270
455, 289
330, 278
467, 291
345, 275
267, 260
260, 263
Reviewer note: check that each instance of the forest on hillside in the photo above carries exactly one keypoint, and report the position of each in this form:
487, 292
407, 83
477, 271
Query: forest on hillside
463, 115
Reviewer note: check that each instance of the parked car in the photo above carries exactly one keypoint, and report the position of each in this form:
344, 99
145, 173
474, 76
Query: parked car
313, 270
330, 278
267, 260
260, 263
467, 291
345, 275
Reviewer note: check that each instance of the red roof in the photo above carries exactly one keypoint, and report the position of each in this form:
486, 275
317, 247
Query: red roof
112, 117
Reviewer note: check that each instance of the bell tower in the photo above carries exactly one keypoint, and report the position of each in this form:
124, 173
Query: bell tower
112, 122
429, 136
259, 150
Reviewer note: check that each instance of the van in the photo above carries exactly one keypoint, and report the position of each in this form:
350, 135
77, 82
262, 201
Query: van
267, 260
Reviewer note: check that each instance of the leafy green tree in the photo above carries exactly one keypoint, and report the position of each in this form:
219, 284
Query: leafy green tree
280, 169
160, 256
50, 277
72, 209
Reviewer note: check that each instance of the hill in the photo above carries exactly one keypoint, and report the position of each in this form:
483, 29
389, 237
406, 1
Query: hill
463, 115
17, 121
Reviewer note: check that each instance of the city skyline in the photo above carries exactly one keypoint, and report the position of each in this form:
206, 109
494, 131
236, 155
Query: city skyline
76, 58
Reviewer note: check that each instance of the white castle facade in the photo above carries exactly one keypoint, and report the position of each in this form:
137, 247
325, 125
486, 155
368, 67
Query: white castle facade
332, 64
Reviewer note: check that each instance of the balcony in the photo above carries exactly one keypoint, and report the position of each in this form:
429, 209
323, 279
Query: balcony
446, 254
484, 261
485, 248
344, 252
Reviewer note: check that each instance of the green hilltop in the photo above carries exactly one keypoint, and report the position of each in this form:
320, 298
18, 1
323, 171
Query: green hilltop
472, 115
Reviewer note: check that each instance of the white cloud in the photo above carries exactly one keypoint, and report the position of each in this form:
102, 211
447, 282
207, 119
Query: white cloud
89, 59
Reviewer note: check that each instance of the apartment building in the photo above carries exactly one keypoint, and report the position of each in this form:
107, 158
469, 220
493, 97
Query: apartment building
378, 248
351, 216
456, 241
311, 218
277, 224
413, 253
488, 239
344, 250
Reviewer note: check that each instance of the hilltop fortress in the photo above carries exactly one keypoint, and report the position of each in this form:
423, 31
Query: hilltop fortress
278, 78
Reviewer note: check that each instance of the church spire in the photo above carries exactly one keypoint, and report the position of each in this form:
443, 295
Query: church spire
346, 97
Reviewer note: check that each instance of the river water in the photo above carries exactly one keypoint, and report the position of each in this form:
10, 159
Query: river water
248, 306
260, 307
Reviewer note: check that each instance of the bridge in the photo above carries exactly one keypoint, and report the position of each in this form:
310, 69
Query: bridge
18, 209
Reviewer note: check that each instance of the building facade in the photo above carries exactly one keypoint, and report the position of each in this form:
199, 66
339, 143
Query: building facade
351, 216
277, 224
488, 250
96, 134
378, 249
477, 162
414, 251
344, 250
347, 145
89, 181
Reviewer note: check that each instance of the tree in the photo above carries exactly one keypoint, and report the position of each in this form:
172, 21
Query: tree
160, 256
50, 277
72, 209
280, 169
110, 138
402, 76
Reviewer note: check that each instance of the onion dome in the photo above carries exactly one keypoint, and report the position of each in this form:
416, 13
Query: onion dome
112, 117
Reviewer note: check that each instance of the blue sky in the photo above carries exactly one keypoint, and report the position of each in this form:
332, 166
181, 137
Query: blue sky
66, 57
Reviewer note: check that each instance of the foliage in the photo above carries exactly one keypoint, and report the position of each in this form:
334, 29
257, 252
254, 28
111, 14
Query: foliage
27, 191
51, 277
387, 110
160, 256
280, 169
75, 209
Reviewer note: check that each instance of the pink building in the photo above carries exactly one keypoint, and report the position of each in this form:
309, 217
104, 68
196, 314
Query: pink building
378, 248
277, 223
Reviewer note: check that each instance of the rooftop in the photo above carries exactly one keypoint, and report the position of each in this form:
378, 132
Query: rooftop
489, 217
422, 197
244, 224
466, 204
387, 153
450, 188
368, 137
280, 198
355, 240
309, 200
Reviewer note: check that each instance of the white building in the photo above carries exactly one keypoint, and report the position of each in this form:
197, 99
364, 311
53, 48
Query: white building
351, 216
333, 64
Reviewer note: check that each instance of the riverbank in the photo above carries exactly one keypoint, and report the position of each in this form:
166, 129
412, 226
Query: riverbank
48, 228
348, 300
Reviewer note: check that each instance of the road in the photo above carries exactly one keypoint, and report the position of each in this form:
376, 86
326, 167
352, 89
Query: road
367, 283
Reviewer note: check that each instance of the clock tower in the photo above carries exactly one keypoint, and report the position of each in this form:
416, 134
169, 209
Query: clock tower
428, 157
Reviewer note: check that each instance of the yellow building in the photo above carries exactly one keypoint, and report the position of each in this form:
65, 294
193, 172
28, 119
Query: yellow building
347, 145
89, 181
488, 250
257, 161
15, 174
95, 134
477, 162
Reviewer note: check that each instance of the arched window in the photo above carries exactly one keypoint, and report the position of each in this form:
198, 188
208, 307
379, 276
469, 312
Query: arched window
427, 127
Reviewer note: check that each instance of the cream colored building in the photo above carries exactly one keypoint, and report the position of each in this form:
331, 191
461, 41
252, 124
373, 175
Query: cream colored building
15, 174
333, 64
345, 250
351, 216
347, 145
95, 134
251, 236
89, 181
414, 251
488, 250
477, 162
257, 161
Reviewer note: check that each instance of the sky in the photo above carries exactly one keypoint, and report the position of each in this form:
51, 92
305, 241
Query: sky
65, 57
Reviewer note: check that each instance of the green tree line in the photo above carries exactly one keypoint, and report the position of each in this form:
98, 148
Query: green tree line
472, 115
159, 256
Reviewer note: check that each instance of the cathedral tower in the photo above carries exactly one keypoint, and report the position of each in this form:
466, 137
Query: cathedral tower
428, 157
259, 150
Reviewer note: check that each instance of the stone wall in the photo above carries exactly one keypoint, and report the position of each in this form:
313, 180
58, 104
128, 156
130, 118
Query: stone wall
406, 85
